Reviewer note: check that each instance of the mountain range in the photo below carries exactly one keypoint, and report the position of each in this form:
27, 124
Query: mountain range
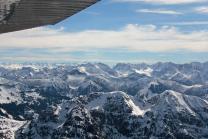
96, 101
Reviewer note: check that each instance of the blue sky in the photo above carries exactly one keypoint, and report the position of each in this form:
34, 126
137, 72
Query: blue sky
115, 15
114, 31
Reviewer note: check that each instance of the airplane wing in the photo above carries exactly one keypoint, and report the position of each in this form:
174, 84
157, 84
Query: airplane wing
24, 14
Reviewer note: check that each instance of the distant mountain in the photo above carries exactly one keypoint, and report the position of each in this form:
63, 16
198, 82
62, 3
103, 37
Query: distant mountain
95, 101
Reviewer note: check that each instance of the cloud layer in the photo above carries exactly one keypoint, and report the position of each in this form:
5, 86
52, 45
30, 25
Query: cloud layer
203, 10
159, 11
132, 37
188, 23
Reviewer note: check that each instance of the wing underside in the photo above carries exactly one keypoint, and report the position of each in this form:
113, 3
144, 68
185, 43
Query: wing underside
24, 14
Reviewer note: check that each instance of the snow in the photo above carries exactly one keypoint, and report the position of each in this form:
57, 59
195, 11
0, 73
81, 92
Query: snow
10, 126
96, 66
146, 93
8, 95
83, 70
182, 103
193, 86
196, 102
135, 109
34, 95
101, 100
3, 111
20, 66
160, 105
57, 111
148, 71
98, 103
4, 81
12, 66
125, 74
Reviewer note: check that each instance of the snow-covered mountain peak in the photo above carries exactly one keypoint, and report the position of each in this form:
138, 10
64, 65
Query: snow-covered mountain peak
117, 97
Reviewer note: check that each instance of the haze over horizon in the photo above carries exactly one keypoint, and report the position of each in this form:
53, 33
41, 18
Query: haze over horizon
113, 31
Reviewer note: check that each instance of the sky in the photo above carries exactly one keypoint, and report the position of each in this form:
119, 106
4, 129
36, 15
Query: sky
113, 31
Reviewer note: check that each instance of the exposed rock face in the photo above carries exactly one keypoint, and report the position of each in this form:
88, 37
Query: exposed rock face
94, 101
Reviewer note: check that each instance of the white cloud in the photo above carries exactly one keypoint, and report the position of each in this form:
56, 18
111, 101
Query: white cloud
164, 1
202, 10
188, 23
132, 37
159, 11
